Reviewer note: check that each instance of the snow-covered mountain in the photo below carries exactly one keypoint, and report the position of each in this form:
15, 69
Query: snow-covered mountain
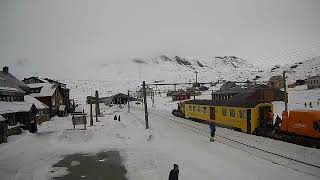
123, 76
298, 70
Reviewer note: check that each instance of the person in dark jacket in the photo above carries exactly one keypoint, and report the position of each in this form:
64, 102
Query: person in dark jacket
277, 123
119, 118
115, 117
212, 131
174, 173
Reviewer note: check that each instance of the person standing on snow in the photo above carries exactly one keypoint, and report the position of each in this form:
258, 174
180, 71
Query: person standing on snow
277, 123
119, 118
115, 117
212, 131
174, 173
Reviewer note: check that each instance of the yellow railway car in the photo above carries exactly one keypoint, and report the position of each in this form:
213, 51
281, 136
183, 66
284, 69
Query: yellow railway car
245, 116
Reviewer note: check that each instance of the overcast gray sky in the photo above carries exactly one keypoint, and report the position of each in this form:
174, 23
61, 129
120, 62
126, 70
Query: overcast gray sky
49, 34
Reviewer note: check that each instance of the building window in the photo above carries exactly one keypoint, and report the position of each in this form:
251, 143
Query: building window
190, 107
241, 113
193, 108
204, 109
224, 112
53, 102
199, 109
232, 113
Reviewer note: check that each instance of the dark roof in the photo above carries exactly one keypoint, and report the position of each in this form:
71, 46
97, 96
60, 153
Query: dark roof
239, 89
54, 81
8, 80
120, 95
276, 78
239, 100
33, 77
314, 77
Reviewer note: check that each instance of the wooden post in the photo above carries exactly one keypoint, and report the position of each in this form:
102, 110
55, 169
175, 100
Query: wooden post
74, 125
91, 115
128, 101
285, 91
145, 104
97, 106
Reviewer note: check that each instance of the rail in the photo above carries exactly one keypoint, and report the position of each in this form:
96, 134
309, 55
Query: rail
249, 146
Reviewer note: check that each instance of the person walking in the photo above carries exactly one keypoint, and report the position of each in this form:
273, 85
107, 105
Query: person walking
115, 117
174, 173
212, 131
119, 118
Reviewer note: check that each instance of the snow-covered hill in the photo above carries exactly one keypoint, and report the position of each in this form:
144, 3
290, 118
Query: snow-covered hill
298, 70
123, 76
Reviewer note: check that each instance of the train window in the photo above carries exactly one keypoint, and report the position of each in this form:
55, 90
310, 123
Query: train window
204, 109
199, 109
316, 126
190, 107
224, 112
232, 113
193, 108
241, 113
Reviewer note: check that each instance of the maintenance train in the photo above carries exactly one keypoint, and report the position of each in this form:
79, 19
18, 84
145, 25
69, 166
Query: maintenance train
299, 127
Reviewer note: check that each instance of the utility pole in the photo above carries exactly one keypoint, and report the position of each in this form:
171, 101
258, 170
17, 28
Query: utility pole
196, 76
285, 91
97, 106
145, 104
91, 115
128, 101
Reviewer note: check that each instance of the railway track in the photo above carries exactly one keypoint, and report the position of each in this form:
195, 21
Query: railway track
272, 157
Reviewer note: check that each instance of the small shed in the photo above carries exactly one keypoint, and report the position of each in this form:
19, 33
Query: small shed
119, 98
313, 82
180, 95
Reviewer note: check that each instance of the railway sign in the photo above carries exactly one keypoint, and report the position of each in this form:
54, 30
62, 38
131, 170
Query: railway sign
78, 119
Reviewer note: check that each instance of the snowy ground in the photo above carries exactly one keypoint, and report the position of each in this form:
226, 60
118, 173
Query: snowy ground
147, 154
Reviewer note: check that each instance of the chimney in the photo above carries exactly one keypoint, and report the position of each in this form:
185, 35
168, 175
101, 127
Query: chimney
6, 69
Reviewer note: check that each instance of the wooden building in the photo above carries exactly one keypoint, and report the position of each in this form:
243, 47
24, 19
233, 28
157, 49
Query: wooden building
180, 95
13, 106
43, 110
49, 94
149, 92
63, 89
19, 109
259, 93
313, 82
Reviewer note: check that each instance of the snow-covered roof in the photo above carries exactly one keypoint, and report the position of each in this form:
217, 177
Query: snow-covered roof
11, 91
8, 80
13, 107
36, 85
37, 103
9, 88
47, 89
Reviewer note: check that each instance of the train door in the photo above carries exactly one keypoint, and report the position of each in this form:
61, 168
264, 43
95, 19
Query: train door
249, 121
212, 113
